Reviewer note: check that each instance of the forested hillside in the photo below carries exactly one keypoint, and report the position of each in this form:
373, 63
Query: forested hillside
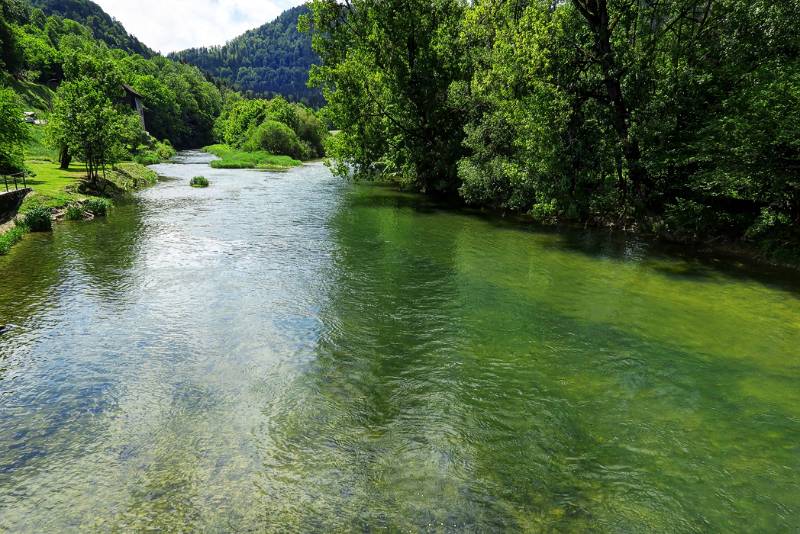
40, 54
679, 117
271, 60
103, 26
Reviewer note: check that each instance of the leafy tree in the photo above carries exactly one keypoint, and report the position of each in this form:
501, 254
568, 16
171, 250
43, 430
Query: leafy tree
13, 133
86, 121
276, 138
386, 74
677, 116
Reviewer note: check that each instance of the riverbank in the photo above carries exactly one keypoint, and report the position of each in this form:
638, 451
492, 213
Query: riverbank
57, 190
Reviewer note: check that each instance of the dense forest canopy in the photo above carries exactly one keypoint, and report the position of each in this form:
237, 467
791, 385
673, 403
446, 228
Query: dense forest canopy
676, 116
271, 60
103, 26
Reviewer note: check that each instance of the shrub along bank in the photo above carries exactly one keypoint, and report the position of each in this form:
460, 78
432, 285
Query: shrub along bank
63, 191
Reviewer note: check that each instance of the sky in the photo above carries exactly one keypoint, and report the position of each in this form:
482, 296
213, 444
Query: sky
172, 25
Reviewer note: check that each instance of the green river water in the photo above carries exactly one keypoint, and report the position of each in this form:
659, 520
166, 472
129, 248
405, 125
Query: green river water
290, 353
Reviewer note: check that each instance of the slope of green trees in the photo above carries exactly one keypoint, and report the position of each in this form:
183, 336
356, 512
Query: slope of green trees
271, 60
675, 116
102, 25
181, 105
14, 133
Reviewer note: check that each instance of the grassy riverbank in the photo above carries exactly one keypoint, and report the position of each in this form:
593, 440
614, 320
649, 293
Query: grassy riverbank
56, 189
231, 158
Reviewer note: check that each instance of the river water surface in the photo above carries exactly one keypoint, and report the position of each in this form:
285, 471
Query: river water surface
287, 352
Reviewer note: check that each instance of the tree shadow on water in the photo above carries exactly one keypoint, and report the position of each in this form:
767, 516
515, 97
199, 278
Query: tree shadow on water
673, 260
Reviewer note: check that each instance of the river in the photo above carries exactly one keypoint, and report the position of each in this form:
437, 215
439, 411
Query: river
287, 352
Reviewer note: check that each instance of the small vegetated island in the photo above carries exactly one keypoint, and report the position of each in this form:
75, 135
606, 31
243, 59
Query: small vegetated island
266, 134
199, 182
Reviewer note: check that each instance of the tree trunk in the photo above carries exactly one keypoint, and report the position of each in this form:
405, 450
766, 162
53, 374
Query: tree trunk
65, 158
596, 14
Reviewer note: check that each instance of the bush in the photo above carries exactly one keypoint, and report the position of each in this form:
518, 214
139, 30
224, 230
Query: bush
165, 150
98, 207
74, 212
147, 157
161, 151
312, 131
38, 220
132, 176
276, 138
10, 238
199, 181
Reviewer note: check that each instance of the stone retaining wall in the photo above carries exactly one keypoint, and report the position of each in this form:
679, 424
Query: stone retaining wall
10, 203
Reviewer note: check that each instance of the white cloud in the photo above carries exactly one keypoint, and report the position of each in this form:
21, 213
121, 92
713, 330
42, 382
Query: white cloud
172, 25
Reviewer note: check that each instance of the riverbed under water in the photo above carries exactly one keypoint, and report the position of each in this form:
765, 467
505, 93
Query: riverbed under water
288, 352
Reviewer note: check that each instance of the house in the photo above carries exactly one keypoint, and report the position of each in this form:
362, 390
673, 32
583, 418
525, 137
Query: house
30, 117
135, 100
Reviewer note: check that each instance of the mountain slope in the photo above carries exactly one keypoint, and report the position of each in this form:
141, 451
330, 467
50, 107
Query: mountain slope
104, 27
271, 60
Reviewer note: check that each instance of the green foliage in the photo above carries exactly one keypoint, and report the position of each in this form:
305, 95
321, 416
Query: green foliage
99, 207
13, 133
180, 104
237, 159
132, 176
199, 181
74, 212
386, 79
275, 126
86, 121
271, 60
38, 219
276, 138
11, 237
683, 116
160, 151
11, 12
101, 24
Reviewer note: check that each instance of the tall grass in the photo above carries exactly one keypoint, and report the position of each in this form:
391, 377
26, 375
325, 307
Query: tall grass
11, 238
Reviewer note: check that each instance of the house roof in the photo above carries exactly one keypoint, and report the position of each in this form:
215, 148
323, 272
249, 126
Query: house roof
131, 90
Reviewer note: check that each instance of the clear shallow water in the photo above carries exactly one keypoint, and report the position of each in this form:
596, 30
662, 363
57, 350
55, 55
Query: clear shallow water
284, 352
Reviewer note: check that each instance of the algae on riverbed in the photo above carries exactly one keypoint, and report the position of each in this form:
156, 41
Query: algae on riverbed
293, 352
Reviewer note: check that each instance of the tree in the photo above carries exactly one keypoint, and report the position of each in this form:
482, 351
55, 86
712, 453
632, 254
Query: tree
85, 120
13, 133
387, 69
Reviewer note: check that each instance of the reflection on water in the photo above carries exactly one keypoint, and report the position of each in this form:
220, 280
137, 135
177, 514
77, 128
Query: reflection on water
283, 352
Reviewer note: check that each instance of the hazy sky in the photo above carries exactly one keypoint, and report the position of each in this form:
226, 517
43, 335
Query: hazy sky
171, 25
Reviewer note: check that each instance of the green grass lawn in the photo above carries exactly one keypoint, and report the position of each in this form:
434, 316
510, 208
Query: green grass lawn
53, 187
238, 159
